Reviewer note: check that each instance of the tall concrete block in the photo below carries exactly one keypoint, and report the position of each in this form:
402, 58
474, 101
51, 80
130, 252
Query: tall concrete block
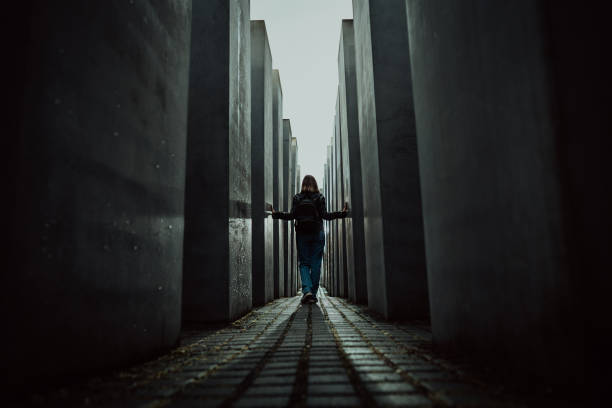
325, 229
278, 198
262, 163
298, 181
393, 226
330, 243
328, 230
293, 255
293, 271
95, 148
288, 199
519, 263
351, 167
339, 193
333, 204
217, 256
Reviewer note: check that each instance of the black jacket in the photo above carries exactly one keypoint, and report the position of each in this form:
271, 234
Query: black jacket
319, 199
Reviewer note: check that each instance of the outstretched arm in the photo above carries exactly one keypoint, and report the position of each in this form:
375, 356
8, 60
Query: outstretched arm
285, 215
332, 215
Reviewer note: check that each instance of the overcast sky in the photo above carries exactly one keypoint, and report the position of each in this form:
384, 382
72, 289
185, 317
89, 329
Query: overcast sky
304, 37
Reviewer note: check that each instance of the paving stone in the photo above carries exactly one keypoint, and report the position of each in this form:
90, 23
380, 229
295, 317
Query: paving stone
332, 401
366, 361
241, 366
227, 373
282, 364
273, 380
222, 381
387, 387
327, 378
317, 371
326, 363
276, 401
272, 390
335, 389
402, 400
358, 350
193, 403
373, 369
380, 376
323, 352
289, 354
200, 367
207, 391
277, 371
364, 358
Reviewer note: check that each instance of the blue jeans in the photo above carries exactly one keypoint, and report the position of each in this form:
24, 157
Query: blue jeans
310, 254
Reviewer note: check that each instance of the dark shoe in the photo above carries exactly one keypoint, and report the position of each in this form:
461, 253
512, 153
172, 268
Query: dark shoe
306, 298
313, 300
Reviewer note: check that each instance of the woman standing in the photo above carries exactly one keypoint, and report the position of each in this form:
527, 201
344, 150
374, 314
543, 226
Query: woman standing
309, 210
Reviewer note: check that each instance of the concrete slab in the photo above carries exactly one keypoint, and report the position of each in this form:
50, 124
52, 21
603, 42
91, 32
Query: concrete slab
278, 197
298, 185
393, 225
95, 189
217, 255
342, 271
287, 199
292, 177
351, 167
334, 223
262, 163
325, 279
520, 259
332, 236
291, 193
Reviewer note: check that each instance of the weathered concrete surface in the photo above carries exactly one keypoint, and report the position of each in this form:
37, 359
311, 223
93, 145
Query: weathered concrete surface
332, 230
298, 183
92, 263
351, 167
329, 202
325, 279
287, 199
333, 200
217, 256
393, 226
511, 127
262, 163
278, 197
292, 176
328, 240
339, 195
326, 227
294, 260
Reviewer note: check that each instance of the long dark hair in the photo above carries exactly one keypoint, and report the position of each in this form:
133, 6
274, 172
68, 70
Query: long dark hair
309, 185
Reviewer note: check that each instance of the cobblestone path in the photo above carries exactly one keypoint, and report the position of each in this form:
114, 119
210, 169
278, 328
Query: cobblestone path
286, 354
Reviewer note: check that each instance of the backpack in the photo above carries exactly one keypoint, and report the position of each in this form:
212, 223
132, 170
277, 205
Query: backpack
307, 215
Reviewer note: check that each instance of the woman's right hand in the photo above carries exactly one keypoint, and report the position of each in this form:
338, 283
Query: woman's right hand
345, 209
